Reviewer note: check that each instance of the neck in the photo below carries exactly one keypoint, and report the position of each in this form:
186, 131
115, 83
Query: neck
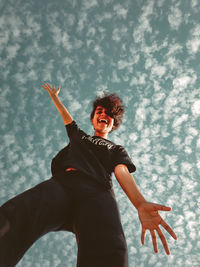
103, 135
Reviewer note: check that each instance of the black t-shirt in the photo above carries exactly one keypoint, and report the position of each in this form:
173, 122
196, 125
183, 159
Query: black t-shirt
93, 155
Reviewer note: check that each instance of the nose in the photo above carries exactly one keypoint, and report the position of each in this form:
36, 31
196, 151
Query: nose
104, 113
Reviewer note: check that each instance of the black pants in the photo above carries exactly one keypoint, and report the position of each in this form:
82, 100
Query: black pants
72, 202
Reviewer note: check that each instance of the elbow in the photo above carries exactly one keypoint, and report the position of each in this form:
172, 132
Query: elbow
121, 169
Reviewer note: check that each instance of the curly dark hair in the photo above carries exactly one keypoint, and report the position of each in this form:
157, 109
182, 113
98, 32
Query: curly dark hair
113, 105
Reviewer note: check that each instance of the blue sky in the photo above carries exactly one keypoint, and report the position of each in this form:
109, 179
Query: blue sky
146, 51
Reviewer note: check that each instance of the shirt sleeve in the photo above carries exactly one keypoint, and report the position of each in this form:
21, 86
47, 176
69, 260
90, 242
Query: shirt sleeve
74, 132
71, 128
122, 157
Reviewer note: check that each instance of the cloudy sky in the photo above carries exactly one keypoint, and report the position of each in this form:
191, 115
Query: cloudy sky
147, 51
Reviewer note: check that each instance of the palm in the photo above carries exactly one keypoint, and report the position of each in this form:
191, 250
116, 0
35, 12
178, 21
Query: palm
50, 89
150, 220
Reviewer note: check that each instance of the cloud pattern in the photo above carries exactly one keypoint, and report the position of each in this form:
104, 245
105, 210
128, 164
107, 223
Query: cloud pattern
146, 51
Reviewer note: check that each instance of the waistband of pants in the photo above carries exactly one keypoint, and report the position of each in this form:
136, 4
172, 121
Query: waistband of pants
82, 176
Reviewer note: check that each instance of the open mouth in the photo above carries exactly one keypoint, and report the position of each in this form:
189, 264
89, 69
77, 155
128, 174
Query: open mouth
103, 121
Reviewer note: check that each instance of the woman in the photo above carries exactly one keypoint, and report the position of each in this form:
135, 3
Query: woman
79, 197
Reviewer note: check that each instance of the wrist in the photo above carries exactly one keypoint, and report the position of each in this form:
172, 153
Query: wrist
140, 203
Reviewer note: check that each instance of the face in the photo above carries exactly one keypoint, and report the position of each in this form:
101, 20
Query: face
102, 122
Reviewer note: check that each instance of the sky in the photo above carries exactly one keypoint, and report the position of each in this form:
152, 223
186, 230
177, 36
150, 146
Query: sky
148, 52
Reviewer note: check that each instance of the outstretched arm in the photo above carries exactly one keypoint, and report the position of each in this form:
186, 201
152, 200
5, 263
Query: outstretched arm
67, 118
148, 212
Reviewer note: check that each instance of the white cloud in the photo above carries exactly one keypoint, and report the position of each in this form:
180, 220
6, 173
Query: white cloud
188, 150
160, 3
32, 75
47, 71
149, 62
133, 137
144, 22
196, 107
170, 102
170, 183
133, 250
194, 3
158, 70
193, 43
12, 51
192, 131
141, 79
196, 30
198, 143
123, 64
87, 4
158, 97
115, 77
32, 22
179, 120
70, 19
98, 50
141, 114
173, 63
104, 16
120, 11
4, 39
64, 39
188, 140
60, 36
171, 160
175, 18
119, 33
81, 22
9, 139
91, 32
176, 141
174, 49
182, 81
189, 215
198, 164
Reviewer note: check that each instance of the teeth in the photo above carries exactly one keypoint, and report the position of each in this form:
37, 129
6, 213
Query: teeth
102, 120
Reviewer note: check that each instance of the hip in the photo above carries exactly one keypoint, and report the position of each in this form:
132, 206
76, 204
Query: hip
77, 182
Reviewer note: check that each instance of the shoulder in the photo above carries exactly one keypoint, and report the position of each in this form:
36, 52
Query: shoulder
72, 128
119, 148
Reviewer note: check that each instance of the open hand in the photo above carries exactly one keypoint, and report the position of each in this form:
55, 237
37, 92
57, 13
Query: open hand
50, 89
150, 220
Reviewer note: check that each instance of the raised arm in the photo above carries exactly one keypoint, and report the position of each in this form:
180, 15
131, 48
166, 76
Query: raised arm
147, 211
67, 118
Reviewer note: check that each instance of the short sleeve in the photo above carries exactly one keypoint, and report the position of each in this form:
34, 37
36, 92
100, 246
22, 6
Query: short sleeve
74, 132
71, 128
121, 157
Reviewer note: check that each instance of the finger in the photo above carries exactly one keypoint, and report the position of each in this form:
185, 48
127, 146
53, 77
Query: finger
44, 86
165, 208
48, 86
143, 236
168, 229
161, 207
153, 236
163, 240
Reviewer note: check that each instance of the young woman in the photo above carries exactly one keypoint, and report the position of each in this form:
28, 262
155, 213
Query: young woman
79, 197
